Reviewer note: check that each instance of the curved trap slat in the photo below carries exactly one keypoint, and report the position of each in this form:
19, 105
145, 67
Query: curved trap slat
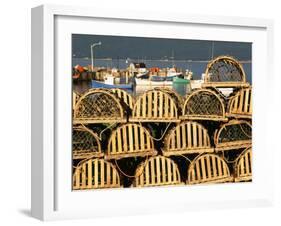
203, 104
224, 71
157, 170
187, 138
243, 166
130, 140
208, 168
85, 144
99, 106
95, 173
125, 97
240, 105
233, 135
155, 106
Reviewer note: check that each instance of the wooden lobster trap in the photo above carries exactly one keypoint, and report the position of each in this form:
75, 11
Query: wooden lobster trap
99, 106
224, 71
187, 138
156, 171
208, 168
233, 135
243, 166
155, 106
204, 104
125, 97
130, 140
95, 173
240, 105
75, 98
85, 144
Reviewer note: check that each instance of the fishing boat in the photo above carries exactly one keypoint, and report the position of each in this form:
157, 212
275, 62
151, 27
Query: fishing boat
109, 83
150, 82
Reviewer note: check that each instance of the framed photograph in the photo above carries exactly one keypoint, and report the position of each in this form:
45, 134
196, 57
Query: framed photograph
136, 113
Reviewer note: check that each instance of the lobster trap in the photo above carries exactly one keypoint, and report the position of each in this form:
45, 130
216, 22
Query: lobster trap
130, 140
156, 171
224, 71
155, 106
187, 138
204, 104
95, 173
208, 168
233, 135
240, 105
75, 98
99, 106
85, 144
243, 166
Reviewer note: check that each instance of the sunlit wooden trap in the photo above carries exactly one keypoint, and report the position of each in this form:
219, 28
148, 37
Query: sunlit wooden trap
203, 104
125, 97
178, 98
85, 144
157, 170
224, 71
155, 106
240, 105
187, 138
233, 135
99, 106
75, 98
95, 173
130, 140
243, 166
208, 168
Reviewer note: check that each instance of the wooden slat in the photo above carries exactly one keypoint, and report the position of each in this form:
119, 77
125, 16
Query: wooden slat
246, 101
113, 144
189, 135
131, 138
147, 172
119, 141
209, 171
149, 94
108, 175
90, 176
205, 135
219, 167
96, 173
194, 135
155, 102
175, 176
200, 131
183, 130
158, 173
214, 166
169, 170
166, 106
102, 180
114, 177
143, 106
241, 102
198, 173
161, 106
178, 136
142, 133
141, 177
136, 136
203, 167
152, 171
125, 144
235, 105
77, 178
163, 163
84, 175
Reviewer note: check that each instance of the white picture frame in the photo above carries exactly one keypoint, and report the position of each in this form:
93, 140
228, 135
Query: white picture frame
52, 197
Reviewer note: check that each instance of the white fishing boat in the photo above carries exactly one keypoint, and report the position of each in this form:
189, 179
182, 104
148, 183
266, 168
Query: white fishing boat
149, 82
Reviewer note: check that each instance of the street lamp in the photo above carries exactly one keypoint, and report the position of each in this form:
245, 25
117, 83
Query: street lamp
92, 56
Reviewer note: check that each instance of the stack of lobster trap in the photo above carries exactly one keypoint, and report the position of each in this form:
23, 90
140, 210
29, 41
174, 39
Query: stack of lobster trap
162, 138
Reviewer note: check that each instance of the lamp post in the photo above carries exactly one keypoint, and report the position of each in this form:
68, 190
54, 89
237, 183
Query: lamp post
92, 55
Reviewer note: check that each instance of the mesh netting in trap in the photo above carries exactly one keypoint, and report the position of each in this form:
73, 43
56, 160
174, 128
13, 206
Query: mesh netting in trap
99, 106
204, 104
85, 143
243, 166
95, 173
156, 171
155, 106
233, 135
224, 71
208, 168
187, 138
240, 105
130, 140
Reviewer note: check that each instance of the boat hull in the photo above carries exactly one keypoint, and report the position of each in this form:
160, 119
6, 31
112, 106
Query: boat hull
147, 82
97, 84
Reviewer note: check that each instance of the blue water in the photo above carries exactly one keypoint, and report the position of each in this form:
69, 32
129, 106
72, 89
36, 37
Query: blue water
197, 67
